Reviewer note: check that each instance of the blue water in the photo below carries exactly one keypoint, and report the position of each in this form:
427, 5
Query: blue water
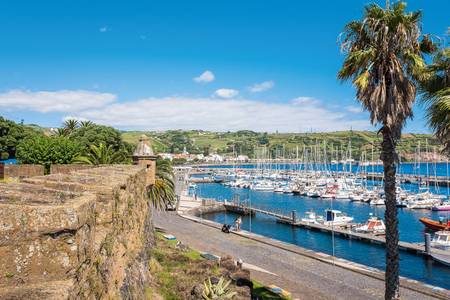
430, 169
411, 230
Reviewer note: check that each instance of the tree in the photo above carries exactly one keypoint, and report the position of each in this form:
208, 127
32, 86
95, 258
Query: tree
98, 134
162, 193
86, 123
12, 134
46, 150
101, 155
70, 126
384, 60
435, 90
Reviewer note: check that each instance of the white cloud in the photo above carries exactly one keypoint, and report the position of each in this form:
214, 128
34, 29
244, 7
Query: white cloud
261, 87
103, 29
205, 77
305, 101
354, 109
57, 101
226, 93
221, 115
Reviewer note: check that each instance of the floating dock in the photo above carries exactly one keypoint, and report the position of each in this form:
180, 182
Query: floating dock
417, 248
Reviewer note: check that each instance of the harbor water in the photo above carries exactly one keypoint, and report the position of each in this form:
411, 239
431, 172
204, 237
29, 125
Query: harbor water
411, 230
425, 169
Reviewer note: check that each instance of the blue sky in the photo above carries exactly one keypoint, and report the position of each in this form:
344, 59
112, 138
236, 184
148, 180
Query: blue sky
132, 64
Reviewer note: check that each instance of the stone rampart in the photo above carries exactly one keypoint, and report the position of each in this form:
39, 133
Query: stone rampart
20, 171
83, 235
67, 168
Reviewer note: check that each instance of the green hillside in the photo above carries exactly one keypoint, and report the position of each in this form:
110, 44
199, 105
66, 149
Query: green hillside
279, 144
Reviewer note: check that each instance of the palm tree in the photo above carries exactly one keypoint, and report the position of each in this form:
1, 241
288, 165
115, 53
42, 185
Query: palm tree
384, 60
70, 125
435, 91
101, 155
61, 132
162, 193
86, 123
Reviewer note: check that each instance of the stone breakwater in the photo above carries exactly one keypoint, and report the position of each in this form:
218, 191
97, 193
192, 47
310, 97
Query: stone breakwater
82, 235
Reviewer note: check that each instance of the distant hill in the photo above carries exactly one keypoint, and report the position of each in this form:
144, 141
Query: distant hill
279, 144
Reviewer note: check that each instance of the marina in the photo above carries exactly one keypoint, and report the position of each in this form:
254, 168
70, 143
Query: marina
346, 232
270, 213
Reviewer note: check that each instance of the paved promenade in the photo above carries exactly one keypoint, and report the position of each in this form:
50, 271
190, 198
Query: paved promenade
305, 277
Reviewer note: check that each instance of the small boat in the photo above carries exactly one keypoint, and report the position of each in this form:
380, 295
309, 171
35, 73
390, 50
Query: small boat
279, 190
336, 218
441, 240
443, 207
374, 225
287, 190
311, 217
342, 195
422, 204
435, 225
379, 201
441, 258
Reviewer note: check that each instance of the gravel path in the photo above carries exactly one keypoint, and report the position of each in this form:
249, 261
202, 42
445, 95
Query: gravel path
304, 277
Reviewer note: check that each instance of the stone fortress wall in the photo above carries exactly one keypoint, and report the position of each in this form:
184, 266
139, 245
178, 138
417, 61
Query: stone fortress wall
84, 234
20, 171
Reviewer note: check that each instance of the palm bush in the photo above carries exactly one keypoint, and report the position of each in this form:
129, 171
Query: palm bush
101, 155
162, 193
435, 91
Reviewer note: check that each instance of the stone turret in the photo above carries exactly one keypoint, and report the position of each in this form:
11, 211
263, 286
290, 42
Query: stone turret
144, 156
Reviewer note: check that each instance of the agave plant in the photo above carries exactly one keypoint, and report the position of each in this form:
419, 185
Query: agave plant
219, 290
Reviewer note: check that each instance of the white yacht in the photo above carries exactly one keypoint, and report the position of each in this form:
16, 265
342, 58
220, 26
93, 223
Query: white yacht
374, 225
336, 218
441, 240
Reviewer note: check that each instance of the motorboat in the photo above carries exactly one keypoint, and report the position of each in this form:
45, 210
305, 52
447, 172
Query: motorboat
330, 193
374, 225
445, 206
287, 190
435, 225
342, 195
336, 218
441, 258
379, 201
262, 186
422, 204
311, 217
441, 240
279, 190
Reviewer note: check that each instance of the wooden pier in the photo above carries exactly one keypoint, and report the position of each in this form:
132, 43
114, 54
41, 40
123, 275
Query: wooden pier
417, 248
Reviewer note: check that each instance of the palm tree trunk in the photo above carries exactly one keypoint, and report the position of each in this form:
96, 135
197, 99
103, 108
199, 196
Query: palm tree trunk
388, 155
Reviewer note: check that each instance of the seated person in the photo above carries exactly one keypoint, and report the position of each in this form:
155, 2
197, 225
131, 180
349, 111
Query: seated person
226, 228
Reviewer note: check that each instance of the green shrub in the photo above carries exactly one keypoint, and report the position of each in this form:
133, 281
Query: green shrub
44, 150
4, 155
